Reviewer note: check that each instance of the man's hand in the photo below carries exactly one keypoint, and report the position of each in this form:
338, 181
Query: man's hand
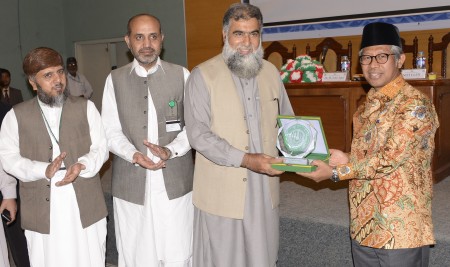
71, 174
261, 163
161, 152
11, 206
53, 167
146, 162
323, 172
338, 157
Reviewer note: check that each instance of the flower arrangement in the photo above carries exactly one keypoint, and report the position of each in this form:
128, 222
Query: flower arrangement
301, 69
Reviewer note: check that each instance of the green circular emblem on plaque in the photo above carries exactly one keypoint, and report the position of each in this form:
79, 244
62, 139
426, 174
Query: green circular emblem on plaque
298, 138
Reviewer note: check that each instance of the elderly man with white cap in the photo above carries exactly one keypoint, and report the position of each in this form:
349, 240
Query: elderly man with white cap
389, 166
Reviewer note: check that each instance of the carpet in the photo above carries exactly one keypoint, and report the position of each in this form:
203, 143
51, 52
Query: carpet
314, 223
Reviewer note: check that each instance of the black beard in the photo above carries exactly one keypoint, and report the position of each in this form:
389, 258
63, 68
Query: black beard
52, 101
243, 66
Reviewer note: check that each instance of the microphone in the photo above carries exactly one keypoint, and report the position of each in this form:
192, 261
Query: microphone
324, 54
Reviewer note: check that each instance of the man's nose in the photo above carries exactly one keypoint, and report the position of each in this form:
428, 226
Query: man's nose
246, 40
58, 78
147, 42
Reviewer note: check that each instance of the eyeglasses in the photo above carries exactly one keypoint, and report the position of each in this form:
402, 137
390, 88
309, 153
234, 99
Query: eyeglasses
380, 58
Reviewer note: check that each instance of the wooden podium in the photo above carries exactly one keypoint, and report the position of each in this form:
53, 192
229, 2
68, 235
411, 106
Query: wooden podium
336, 102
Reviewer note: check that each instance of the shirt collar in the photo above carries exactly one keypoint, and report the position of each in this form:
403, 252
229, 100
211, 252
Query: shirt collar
391, 89
75, 78
142, 72
45, 107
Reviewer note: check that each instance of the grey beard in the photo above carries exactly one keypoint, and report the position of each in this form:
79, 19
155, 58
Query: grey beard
52, 101
243, 66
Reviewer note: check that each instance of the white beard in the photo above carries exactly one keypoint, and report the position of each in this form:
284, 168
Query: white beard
243, 66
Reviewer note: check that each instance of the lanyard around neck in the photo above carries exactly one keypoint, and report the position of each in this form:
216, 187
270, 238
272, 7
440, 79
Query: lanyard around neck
48, 125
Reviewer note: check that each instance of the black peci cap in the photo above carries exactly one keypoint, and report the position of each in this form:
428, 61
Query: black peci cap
380, 33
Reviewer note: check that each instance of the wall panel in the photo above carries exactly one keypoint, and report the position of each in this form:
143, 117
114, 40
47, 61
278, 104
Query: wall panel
204, 29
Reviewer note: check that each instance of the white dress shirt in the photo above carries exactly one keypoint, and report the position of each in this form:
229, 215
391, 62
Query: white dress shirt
8, 189
79, 85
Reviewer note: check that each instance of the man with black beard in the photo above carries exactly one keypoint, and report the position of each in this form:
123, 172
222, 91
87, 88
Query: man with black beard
55, 145
232, 103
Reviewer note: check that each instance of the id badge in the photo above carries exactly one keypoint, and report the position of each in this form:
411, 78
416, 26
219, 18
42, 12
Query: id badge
173, 126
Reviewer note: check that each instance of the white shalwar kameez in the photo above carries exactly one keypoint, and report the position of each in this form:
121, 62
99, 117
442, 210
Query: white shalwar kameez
68, 244
159, 233
8, 189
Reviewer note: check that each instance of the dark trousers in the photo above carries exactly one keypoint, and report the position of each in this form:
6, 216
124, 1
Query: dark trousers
375, 257
16, 240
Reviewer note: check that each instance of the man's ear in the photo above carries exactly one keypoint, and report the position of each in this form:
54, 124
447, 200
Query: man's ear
224, 36
33, 84
401, 60
127, 40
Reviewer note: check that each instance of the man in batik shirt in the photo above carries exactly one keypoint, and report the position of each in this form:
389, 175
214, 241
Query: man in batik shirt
389, 165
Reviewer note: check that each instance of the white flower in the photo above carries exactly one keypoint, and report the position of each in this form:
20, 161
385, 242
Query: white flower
296, 75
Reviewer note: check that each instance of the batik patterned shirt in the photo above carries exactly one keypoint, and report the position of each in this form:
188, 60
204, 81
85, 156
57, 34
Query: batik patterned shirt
390, 166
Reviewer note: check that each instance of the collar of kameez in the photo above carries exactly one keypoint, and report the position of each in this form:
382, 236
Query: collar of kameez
391, 89
135, 65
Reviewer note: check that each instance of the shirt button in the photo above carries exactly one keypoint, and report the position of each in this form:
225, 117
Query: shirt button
145, 82
49, 160
48, 185
245, 179
248, 132
176, 153
145, 112
246, 148
47, 199
145, 127
145, 97
51, 147
248, 98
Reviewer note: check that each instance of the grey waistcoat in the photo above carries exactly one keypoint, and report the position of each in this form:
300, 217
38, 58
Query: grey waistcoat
131, 91
35, 144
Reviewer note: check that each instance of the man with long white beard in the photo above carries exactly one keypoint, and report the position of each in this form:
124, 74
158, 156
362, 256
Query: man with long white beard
232, 102
55, 145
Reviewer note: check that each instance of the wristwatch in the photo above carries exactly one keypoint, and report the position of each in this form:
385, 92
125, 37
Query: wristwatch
335, 175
